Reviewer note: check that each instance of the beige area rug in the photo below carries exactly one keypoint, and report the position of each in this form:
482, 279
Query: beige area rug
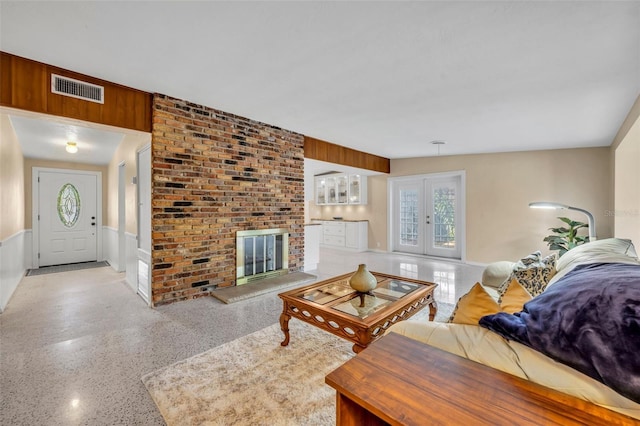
255, 381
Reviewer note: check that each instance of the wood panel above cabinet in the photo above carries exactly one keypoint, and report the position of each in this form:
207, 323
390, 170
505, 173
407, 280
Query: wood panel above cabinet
320, 150
27, 85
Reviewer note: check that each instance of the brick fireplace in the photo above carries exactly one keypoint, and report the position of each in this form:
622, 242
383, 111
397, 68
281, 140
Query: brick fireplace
215, 174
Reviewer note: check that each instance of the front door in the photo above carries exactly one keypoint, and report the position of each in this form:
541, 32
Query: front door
66, 216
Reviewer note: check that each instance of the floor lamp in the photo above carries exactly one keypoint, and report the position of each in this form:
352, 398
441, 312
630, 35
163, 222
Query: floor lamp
548, 205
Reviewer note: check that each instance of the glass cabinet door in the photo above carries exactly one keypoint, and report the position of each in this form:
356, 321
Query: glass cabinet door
332, 194
355, 189
321, 191
342, 183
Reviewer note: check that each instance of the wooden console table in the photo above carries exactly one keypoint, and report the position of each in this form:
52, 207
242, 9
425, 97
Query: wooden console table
400, 381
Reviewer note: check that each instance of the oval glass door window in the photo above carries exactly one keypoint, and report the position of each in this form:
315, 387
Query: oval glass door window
68, 205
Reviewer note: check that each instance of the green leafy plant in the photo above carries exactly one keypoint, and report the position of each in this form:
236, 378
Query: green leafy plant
566, 238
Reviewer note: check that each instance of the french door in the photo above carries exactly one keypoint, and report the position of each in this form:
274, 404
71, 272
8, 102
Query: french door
427, 214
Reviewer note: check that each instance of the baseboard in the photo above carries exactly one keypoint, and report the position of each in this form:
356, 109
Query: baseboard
378, 251
484, 265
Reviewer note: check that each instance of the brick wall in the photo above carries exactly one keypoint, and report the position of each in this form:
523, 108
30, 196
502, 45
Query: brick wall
216, 173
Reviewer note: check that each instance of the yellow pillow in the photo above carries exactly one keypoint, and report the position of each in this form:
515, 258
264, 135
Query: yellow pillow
478, 303
473, 306
514, 297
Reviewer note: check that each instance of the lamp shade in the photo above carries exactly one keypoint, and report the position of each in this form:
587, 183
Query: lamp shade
552, 205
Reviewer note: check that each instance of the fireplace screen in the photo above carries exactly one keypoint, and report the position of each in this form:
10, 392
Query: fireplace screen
261, 253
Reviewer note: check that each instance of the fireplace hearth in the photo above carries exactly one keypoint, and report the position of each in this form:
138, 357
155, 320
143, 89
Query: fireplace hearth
261, 254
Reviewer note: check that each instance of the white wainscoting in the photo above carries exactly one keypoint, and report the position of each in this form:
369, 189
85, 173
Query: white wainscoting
12, 265
110, 247
28, 249
131, 274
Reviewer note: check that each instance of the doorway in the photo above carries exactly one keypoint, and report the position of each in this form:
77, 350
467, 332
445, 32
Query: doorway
67, 216
426, 214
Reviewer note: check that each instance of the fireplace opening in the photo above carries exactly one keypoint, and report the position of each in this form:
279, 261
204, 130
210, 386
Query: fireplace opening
260, 254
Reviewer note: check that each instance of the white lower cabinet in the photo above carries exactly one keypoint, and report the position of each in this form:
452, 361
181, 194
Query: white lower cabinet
346, 235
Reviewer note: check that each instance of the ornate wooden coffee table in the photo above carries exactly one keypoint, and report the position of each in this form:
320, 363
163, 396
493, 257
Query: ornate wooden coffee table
332, 305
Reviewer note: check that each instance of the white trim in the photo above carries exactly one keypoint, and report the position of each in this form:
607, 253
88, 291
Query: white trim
462, 225
35, 208
12, 265
4, 242
144, 264
131, 264
110, 249
28, 243
379, 251
484, 265
122, 211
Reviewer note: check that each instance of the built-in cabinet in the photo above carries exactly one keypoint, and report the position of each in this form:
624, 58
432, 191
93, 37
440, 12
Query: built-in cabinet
341, 189
312, 239
348, 235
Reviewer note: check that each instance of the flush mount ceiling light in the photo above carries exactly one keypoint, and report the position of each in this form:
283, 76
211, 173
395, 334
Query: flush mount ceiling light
71, 147
438, 143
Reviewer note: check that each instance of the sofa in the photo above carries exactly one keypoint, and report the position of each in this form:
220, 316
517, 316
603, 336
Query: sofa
588, 348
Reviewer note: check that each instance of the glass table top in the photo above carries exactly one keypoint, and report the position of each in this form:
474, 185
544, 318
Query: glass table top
340, 296
395, 288
362, 306
329, 292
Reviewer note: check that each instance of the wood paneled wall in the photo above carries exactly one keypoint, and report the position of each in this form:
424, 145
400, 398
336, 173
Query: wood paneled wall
317, 149
26, 84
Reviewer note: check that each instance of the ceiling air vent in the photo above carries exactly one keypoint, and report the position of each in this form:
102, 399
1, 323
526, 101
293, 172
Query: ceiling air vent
77, 89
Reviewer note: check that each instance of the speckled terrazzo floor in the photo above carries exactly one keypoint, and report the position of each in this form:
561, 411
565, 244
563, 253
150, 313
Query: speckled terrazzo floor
74, 345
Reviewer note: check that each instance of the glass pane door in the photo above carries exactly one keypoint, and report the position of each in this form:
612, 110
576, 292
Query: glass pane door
426, 216
332, 195
443, 217
408, 229
342, 183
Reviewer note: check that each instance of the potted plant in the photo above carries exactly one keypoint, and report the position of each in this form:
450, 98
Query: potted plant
566, 238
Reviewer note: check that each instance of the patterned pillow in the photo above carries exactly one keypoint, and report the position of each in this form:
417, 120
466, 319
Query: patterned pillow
533, 273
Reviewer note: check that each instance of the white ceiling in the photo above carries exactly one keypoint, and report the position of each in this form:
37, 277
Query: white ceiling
47, 138
381, 77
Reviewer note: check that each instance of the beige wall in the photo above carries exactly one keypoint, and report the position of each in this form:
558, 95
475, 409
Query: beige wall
499, 188
29, 163
626, 154
12, 191
126, 152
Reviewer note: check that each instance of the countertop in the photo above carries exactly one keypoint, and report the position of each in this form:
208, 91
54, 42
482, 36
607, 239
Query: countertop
339, 220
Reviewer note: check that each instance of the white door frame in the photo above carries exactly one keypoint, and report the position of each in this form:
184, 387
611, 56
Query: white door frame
143, 255
122, 220
35, 209
461, 226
